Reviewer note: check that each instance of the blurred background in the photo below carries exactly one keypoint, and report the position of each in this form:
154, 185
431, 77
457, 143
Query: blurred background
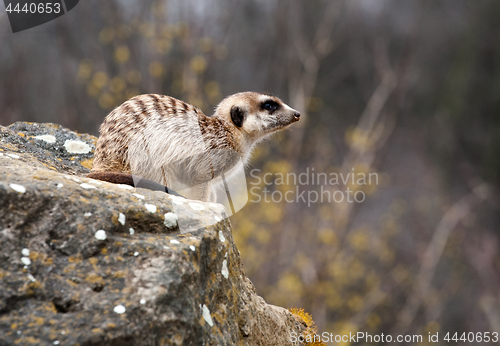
405, 89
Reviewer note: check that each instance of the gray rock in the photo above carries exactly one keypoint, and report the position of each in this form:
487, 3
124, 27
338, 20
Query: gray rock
72, 272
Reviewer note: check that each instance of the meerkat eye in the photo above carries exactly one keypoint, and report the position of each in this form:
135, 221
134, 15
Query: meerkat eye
270, 105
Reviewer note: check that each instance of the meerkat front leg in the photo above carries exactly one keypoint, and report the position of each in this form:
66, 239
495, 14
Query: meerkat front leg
200, 192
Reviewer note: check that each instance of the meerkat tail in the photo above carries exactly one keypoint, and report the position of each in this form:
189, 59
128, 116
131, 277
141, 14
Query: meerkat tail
112, 177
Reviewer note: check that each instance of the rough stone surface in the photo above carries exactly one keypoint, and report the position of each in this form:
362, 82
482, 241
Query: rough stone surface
102, 269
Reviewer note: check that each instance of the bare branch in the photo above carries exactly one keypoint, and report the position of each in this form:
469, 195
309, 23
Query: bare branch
322, 43
435, 249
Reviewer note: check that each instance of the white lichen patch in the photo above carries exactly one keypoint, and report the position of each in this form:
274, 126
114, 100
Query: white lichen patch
47, 138
125, 187
206, 315
26, 261
192, 247
119, 309
150, 207
142, 301
97, 182
100, 234
138, 196
218, 219
177, 200
196, 206
221, 237
77, 147
170, 219
224, 271
87, 214
87, 186
25, 252
121, 219
18, 188
136, 254
75, 179
59, 185
131, 231
173, 241
14, 156
56, 342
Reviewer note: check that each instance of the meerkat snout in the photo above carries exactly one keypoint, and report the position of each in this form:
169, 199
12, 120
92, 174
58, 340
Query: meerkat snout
170, 142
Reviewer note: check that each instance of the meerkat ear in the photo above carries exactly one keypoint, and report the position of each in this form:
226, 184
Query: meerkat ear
237, 116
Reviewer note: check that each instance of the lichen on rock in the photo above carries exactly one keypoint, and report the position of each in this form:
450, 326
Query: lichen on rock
90, 263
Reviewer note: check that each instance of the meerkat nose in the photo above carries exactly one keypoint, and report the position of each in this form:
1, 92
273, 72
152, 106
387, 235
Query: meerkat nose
296, 115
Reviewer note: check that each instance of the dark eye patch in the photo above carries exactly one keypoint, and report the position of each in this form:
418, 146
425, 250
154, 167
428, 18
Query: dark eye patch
269, 106
237, 116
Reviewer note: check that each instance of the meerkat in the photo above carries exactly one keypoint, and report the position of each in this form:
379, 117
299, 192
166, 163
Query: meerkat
172, 143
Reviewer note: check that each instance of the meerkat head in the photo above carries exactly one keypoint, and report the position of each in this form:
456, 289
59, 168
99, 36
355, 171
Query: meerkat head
256, 115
